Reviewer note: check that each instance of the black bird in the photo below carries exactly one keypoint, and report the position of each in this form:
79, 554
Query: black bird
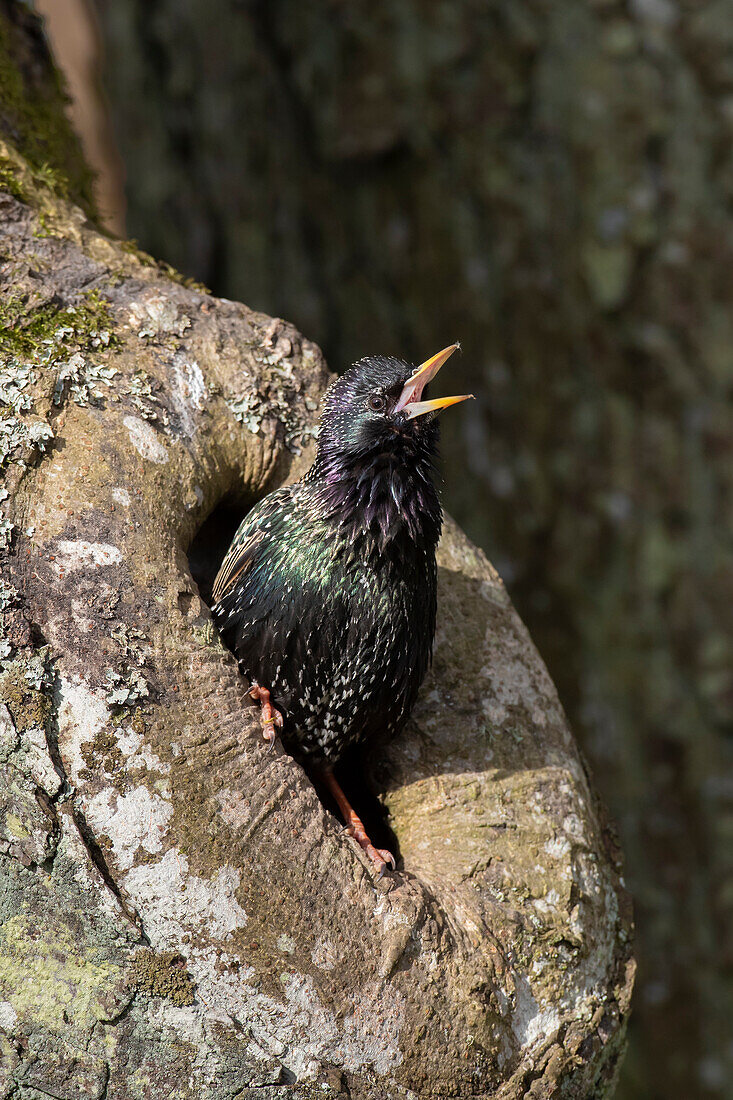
327, 594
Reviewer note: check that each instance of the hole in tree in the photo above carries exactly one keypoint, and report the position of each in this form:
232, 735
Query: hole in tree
206, 552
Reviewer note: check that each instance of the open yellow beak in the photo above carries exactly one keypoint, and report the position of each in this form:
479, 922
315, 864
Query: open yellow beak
409, 400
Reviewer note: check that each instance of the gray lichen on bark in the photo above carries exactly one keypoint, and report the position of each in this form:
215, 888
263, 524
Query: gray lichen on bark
178, 913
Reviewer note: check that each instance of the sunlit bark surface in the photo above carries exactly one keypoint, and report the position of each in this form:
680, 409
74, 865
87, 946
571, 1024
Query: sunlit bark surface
179, 914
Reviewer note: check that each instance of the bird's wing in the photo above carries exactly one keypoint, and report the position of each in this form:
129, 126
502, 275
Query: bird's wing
250, 536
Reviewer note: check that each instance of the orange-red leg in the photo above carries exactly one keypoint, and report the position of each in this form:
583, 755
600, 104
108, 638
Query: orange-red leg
380, 857
270, 716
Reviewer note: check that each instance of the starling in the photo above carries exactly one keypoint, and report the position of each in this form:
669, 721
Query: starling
327, 594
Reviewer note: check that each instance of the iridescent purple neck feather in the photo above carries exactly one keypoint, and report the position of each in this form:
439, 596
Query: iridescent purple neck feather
374, 477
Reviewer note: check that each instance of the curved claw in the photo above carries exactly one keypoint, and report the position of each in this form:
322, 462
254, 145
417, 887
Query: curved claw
389, 861
381, 858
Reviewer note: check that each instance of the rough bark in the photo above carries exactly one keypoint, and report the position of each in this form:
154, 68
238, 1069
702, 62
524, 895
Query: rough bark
179, 915
551, 183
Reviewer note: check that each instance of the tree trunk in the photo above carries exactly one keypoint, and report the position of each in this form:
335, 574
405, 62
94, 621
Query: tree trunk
179, 914
552, 184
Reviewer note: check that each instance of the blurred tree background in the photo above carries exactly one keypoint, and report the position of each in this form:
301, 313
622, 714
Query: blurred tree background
552, 184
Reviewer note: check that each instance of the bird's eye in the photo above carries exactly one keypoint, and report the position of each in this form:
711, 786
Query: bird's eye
378, 402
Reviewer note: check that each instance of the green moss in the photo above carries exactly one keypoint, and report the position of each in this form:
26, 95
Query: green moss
47, 176
32, 112
24, 332
161, 975
10, 182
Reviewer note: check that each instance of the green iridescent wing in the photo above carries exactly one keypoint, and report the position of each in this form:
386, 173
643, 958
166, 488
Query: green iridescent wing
251, 539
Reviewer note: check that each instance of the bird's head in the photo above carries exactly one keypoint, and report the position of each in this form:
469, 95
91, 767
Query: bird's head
377, 406
376, 448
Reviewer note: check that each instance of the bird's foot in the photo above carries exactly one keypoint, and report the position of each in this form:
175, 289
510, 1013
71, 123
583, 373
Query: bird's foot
380, 857
270, 716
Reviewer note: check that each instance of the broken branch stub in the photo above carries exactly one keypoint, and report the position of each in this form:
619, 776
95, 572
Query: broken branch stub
179, 915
